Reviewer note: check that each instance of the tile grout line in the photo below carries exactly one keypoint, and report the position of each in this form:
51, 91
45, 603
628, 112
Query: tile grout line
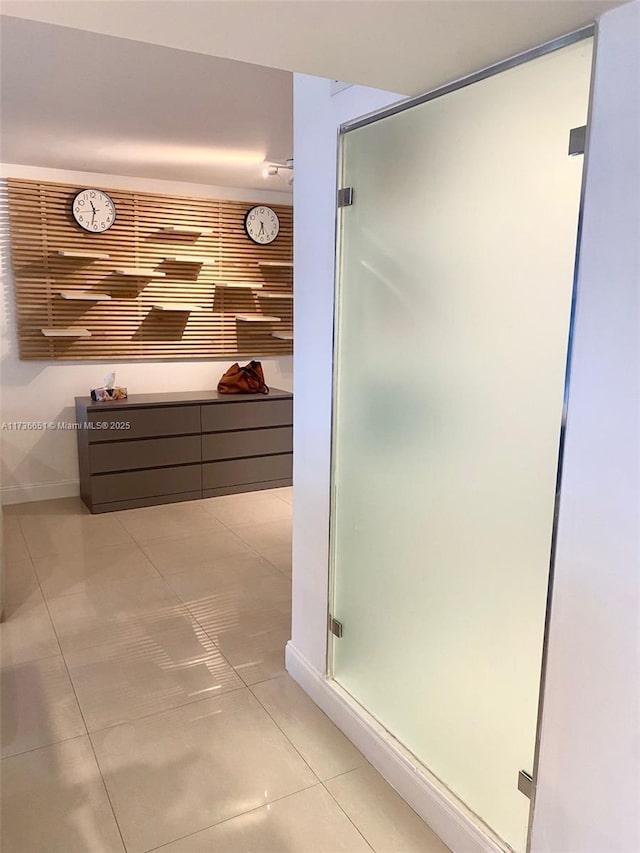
279, 727
278, 573
322, 782
22, 536
248, 686
196, 620
148, 716
31, 660
284, 500
44, 746
188, 611
244, 542
232, 817
88, 736
217, 647
8, 604
348, 817
227, 529
99, 583
223, 656
32, 558
194, 616
255, 550
84, 722
243, 686
309, 766
183, 606
351, 770
134, 620
35, 571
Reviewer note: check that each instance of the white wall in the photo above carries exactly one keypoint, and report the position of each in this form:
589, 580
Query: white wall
589, 776
588, 792
40, 465
316, 116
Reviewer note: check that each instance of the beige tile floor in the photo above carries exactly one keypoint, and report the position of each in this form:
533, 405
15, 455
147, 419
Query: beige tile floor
145, 704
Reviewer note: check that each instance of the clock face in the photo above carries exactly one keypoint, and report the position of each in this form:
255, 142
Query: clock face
262, 224
94, 211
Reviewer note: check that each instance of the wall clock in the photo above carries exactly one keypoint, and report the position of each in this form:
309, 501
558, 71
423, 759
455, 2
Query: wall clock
93, 210
261, 224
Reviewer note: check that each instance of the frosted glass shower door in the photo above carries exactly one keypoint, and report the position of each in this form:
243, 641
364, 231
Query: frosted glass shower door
454, 298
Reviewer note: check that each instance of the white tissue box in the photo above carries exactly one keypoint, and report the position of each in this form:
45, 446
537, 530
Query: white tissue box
105, 395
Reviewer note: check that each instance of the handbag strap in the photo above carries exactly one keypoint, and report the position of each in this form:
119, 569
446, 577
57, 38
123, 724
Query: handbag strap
254, 375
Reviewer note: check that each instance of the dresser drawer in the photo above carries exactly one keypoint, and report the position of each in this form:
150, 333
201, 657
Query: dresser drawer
243, 471
147, 453
259, 413
165, 420
144, 484
250, 442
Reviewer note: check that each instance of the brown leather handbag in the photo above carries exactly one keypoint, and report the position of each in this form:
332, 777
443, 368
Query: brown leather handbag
243, 380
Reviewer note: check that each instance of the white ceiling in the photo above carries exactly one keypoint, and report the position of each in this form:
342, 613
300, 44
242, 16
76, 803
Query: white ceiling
153, 88
87, 102
406, 46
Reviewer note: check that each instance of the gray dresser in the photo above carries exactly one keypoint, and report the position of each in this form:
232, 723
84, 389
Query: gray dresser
161, 448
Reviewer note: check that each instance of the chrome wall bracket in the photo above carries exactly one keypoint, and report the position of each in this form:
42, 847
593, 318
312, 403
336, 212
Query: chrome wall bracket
525, 783
335, 627
345, 196
577, 140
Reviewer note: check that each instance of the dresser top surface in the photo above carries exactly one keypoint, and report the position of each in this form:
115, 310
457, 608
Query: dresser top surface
184, 398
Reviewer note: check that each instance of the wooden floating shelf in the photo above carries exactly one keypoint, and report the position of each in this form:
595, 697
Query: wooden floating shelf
175, 306
186, 259
288, 264
85, 296
70, 332
135, 272
92, 256
156, 256
271, 294
257, 318
282, 336
187, 229
247, 285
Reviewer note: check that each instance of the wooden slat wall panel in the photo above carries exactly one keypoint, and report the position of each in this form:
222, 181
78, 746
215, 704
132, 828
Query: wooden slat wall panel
127, 327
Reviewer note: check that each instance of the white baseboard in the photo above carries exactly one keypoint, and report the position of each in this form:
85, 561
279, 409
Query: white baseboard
39, 492
449, 819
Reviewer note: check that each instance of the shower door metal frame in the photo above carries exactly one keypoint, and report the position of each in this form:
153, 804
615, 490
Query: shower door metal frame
590, 31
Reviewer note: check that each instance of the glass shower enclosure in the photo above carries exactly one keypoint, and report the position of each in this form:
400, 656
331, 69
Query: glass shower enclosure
454, 299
